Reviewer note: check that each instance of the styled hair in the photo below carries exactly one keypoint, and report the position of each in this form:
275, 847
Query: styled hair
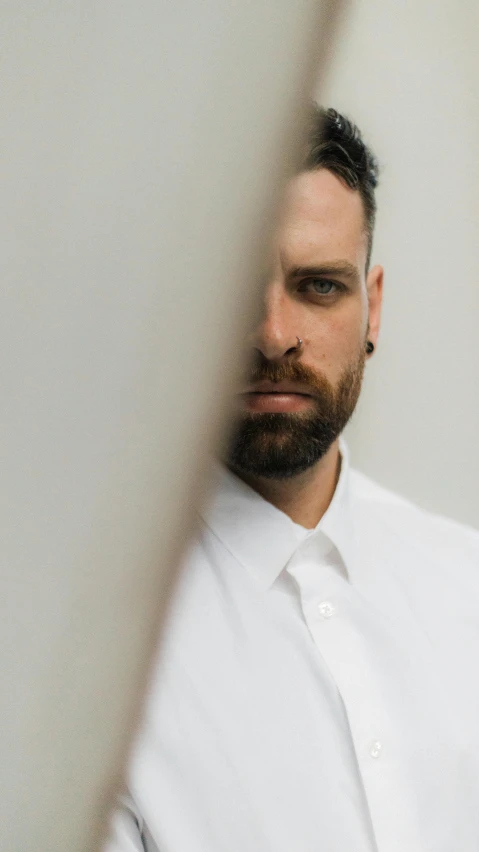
336, 144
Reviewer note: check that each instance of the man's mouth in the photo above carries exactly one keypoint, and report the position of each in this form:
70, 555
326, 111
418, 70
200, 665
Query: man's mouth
278, 388
276, 397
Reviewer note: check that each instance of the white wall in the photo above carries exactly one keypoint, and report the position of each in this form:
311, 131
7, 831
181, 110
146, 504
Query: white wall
408, 74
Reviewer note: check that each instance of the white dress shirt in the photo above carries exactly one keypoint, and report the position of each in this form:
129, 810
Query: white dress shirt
316, 691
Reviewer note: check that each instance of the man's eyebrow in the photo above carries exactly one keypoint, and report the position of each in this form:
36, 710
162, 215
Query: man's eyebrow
340, 267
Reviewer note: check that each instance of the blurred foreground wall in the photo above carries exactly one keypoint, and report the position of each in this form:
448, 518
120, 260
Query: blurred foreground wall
143, 146
408, 74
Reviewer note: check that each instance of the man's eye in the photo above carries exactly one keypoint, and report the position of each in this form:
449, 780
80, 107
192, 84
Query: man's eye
321, 286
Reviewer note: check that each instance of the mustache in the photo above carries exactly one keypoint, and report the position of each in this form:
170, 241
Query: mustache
272, 371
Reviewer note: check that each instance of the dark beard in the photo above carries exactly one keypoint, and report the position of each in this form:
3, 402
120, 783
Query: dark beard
280, 446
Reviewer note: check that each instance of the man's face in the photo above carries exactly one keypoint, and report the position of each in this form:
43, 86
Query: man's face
298, 399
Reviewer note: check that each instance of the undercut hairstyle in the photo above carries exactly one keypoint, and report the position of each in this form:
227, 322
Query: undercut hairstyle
336, 144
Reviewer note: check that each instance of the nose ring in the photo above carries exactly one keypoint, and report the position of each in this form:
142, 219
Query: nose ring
300, 343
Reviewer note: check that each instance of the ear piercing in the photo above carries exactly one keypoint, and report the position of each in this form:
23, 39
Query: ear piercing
369, 347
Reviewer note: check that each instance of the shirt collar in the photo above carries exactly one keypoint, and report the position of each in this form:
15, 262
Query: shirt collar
261, 537
337, 522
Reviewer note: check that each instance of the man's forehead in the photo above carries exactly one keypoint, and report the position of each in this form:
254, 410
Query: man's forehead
321, 216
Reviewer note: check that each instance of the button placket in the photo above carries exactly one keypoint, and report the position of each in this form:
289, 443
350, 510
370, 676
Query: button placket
346, 630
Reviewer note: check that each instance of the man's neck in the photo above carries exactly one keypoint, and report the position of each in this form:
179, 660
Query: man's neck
305, 497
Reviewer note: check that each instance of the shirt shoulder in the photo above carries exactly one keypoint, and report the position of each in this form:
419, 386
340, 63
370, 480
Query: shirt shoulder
409, 521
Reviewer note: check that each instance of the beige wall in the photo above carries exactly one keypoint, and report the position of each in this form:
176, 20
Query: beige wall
408, 74
132, 238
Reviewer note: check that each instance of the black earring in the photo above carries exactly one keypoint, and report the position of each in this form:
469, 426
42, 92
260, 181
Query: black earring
369, 347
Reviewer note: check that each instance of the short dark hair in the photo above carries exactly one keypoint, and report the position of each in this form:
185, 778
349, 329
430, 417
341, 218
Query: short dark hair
336, 144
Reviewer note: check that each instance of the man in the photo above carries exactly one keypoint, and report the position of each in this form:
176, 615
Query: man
317, 687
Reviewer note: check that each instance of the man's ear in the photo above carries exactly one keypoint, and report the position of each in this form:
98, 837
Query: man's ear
374, 286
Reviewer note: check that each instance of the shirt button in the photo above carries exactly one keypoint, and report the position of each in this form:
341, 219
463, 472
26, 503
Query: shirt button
326, 609
376, 748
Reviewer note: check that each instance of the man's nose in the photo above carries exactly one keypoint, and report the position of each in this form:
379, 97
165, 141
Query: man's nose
277, 335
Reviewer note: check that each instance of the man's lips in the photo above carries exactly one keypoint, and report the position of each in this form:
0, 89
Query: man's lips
283, 388
276, 397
